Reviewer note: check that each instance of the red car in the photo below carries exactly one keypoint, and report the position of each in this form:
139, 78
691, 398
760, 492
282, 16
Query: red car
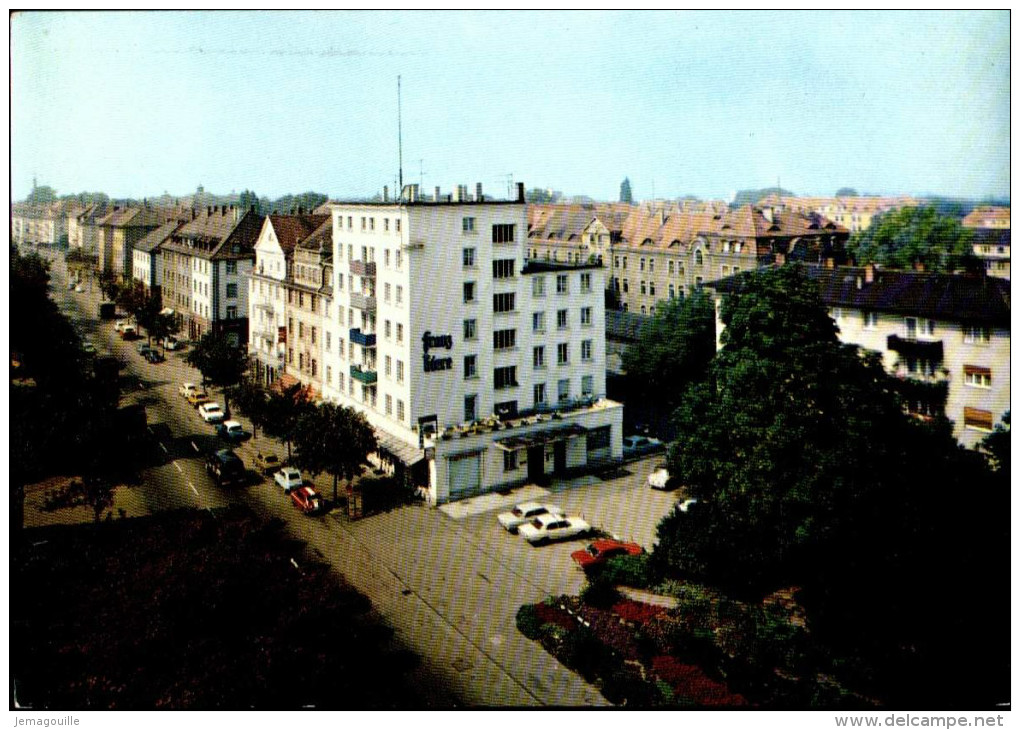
306, 499
602, 550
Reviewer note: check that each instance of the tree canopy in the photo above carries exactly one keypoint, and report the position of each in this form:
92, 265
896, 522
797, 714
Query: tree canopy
333, 439
626, 196
846, 193
915, 235
283, 412
220, 363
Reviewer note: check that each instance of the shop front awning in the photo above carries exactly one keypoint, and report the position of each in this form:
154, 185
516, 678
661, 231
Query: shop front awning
540, 438
400, 450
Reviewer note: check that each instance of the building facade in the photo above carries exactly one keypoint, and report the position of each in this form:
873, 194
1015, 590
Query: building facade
147, 260
991, 238
853, 212
946, 336
477, 367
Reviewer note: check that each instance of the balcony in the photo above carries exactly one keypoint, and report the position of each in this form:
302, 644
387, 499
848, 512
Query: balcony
360, 338
364, 302
367, 377
363, 268
930, 350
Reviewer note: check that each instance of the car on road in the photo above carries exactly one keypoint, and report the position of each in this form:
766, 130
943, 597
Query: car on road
197, 399
267, 463
153, 356
211, 412
121, 323
225, 467
601, 550
143, 347
187, 389
526, 512
128, 332
171, 343
232, 431
289, 478
306, 499
546, 528
638, 445
660, 478
78, 288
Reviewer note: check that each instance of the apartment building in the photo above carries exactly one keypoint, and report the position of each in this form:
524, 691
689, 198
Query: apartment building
656, 253
147, 260
40, 224
119, 230
855, 213
477, 367
287, 299
207, 264
945, 335
991, 238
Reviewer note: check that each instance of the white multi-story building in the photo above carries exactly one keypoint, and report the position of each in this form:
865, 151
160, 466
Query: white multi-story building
477, 367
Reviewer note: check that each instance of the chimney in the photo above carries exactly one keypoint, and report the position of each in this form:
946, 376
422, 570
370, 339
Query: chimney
780, 259
385, 193
223, 210
462, 195
301, 210
436, 198
520, 192
208, 210
869, 273
478, 193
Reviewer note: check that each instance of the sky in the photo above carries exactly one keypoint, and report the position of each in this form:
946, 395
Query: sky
682, 103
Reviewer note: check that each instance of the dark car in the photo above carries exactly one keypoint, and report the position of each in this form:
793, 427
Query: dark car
225, 467
153, 356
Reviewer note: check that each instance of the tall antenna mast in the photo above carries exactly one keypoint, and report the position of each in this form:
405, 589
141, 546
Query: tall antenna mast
400, 143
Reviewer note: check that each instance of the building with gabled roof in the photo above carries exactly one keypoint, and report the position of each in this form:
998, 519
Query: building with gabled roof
120, 229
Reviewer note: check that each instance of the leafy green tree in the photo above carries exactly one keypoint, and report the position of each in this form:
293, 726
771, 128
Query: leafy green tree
846, 193
333, 439
220, 363
539, 195
284, 411
674, 348
996, 444
93, 491
41, 195
252, 400
626, 196
909, 236
108, 285
249, 199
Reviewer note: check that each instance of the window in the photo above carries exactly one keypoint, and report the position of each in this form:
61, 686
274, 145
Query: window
468, 226
561, 284
870, 320
699, 258
315, 366
362, 222
469, 258
670, 268
509, 461
386, 292
389, 404
470, 331
400, 332
313, 334
387, 366
624, 267
397, 222
538, 356
504, 339
540, 396
502, 269
672, 291
586, 281
538, 322
505, 377
328, 340
977, 419
561, 319
386, 253
329, 375
586, 316
503, 302
301, 330
563, 390
641, 265
400, 294
977, 377
587, 386
503, 233
469, 291
386, 328
470, 407
400, 410
231, 311
599, 438
538, 286
231, 267
340, 281
642, 288
585, 350
626, 287
350, 223
562, 353
470, 366
976, 335
400, 371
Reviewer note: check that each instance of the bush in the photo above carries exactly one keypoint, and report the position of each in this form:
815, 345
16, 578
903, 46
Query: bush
626, 686
599, 593
629, 570
583, 652
527, 622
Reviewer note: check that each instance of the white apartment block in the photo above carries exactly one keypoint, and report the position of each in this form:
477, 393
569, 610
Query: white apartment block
942, 334
477, 368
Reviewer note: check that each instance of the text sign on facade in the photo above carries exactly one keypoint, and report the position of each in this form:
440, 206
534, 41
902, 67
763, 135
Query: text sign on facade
431, 362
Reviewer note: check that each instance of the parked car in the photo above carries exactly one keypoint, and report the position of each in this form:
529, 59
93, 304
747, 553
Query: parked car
546, 528
601, 550
267, 463
187, 389
128, 332
153, 356
289, 478
660, 478
171, 343
121, 323
78, 288
225, 467
143, 347
526, 512
306, 499
197, 399
88, 348
211, 412
232, 431
639, 445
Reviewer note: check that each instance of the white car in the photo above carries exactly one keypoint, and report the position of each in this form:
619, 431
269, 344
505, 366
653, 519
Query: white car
170, 343
685, 506
187, 389
526, 512
659, 479
121, 324
545, 528
289, 478
211, 412
78, 288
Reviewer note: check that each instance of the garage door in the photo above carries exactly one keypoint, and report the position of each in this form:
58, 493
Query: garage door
465, 474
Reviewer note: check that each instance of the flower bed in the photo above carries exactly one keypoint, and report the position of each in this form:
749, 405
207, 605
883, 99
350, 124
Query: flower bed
689, 681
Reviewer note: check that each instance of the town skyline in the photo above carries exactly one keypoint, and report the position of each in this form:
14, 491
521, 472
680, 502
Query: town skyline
880, 102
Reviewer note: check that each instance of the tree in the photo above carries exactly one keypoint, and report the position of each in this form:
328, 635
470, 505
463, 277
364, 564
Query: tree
539, 195
93, 491
131, 298
108, 284
249, 199
220, 363
909, 236
333, 439
284, 410
996, 445
673, 349
846, 193
252, 400
625, 194
41, 195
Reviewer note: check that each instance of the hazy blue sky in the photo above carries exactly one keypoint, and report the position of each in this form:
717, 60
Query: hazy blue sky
693, 103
